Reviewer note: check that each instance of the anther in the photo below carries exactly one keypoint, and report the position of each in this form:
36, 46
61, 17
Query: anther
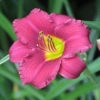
40, 34
49, 39
46, 45
41, 41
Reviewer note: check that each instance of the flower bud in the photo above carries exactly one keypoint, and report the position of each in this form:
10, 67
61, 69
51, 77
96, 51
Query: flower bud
98, 44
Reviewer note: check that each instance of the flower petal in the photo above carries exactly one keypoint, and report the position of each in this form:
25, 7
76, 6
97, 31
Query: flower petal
58, 18
27, 28
76, 36
36, 71
25, 32
76, 45
72, 28
18, 51
71, 68
41, 20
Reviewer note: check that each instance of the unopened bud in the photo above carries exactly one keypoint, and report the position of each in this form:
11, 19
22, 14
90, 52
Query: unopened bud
98, 44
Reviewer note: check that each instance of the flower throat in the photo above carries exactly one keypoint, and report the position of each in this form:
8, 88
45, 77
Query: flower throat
52, 46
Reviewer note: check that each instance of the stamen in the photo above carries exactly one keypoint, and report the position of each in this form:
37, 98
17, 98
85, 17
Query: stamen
48, 40
46, 45
51, 45
41, 41
40, 34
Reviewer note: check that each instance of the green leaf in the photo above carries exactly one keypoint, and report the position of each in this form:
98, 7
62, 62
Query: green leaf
61, 86
68, 8
57, 6
93, 24
14, 78
5, 89
20, 94
6, 25
80, 90
3, 41
20, 8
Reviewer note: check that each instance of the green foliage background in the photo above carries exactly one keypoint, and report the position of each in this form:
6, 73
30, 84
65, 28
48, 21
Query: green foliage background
81, 88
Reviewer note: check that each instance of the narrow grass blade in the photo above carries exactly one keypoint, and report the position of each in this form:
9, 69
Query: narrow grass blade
6, 25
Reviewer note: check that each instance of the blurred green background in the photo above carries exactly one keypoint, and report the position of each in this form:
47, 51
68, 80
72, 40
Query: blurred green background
81, 88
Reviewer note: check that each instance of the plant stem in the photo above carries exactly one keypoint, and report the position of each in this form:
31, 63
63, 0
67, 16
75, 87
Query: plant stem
3, 60
68, 8
93, 78
20, 8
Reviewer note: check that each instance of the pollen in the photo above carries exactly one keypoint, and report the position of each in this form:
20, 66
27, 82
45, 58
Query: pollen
52, 46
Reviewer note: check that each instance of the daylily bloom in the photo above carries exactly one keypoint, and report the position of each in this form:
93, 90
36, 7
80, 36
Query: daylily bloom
98, 44
47, 45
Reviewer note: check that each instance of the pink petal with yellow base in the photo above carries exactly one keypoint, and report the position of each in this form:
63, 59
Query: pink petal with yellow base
27, 29
48, 45
38, 72
76, 36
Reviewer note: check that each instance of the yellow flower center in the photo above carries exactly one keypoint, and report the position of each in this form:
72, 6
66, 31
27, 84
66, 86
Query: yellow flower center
52, 46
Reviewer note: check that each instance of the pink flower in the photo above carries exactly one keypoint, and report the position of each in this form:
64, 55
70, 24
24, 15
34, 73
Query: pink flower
98, 44
47, 45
